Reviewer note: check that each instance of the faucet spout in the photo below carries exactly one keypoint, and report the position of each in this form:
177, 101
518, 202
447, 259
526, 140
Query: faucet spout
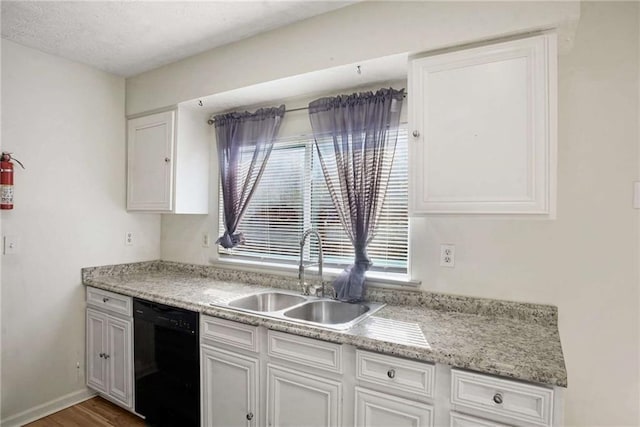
301, 263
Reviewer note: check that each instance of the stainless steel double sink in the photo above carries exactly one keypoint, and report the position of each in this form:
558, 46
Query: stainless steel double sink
310, 310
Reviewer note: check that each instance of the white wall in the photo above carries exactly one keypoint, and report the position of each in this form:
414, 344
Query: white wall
371, 29
585, 262
65, 122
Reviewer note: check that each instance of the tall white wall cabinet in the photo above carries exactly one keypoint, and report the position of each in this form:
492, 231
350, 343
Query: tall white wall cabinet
483, 121
168, 162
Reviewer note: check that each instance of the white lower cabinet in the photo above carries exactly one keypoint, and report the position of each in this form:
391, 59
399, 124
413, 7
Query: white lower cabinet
503, 401
96, 345
109, 356
229, 388
306, 379
393, 391
462, 420
252, 377
296, 399
118, 356
376, 409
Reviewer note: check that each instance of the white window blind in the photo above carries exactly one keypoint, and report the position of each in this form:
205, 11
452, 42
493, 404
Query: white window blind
292, 196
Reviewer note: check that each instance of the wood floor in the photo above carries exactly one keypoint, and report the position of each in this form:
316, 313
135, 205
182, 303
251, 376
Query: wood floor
93, 412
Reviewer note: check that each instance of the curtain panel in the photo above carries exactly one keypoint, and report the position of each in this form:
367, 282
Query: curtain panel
355, 138
244, 143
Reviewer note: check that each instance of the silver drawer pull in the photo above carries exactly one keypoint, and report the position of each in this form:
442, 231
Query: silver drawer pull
497, 398
250, 416
167, 160
101, 355
391, 373
415, 134
106, 356
105, 299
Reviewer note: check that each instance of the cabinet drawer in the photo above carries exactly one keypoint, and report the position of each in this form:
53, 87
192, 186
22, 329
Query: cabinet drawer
523, 403
110, 301
395, 373
229, 332
307, 351
461, 420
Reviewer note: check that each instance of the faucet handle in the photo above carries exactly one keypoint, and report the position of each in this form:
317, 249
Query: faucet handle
305, 288
317, 290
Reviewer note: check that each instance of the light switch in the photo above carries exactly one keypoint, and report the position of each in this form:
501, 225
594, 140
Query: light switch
11, 245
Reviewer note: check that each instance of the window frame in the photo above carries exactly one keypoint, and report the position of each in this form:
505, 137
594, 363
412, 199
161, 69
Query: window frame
377, 278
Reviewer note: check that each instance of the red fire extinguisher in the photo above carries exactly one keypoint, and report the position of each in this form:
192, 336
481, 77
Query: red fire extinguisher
6, 180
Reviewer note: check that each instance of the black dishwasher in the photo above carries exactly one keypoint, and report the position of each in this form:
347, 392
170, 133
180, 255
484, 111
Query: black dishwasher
167, 364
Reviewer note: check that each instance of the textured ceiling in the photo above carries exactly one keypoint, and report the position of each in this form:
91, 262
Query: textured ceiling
130, 37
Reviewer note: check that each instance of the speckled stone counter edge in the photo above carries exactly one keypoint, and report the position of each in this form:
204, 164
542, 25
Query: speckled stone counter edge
536, 313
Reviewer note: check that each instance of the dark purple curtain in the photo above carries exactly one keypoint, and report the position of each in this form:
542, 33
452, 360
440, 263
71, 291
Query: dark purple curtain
244, 143
355, 137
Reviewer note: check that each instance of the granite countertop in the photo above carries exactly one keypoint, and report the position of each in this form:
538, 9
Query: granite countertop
509, 339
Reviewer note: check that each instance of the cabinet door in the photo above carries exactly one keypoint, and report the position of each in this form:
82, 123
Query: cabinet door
229, 388
96, 348
374, 409
119, 356
462, 420
150, 141
484, 126
296, 399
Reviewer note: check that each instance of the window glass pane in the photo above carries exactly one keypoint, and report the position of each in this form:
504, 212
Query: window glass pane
273, 221
292, 196
388, 249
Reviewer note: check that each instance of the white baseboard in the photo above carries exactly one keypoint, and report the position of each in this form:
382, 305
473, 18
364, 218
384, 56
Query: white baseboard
47, 408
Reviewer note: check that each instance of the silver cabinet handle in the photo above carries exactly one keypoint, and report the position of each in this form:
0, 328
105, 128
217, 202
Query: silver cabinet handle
497, 398
101, 355
415, 134
249, 416
167, 160
391, 373
106, 356
105, 299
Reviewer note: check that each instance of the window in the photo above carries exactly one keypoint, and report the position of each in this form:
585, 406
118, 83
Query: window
292, 196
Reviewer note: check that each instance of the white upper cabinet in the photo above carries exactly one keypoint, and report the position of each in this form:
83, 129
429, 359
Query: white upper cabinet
168, 162
149, 169
483, 125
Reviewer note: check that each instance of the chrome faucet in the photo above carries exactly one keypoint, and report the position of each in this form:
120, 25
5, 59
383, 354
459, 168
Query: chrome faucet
301, 266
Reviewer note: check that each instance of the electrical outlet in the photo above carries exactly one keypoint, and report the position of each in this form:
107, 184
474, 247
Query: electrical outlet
205, 240
447, 255
128, 238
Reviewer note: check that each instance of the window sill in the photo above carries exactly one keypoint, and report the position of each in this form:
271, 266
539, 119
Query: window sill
375, 279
